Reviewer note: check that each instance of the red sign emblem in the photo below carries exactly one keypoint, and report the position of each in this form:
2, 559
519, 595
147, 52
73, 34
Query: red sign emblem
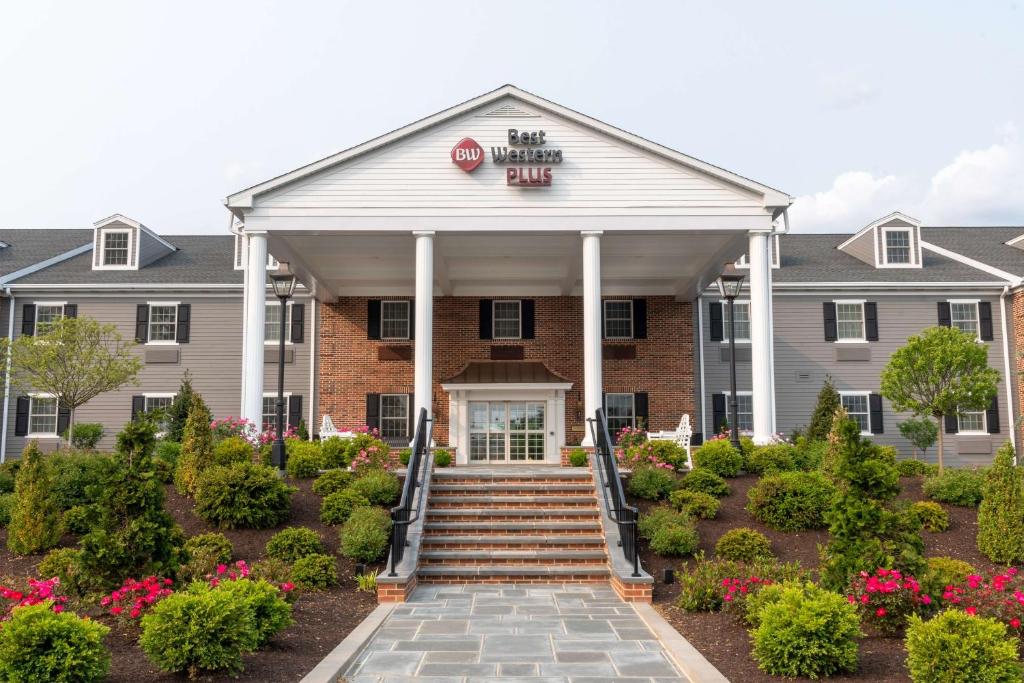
467, 154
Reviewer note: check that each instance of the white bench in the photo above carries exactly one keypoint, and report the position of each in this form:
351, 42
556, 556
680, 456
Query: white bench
681, 436
327, 429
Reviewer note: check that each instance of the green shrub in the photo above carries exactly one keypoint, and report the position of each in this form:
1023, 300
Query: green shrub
242, 495
669, 452
305, 459
165, 459
294, 543
40, 646
657, 517
196, 448
85, 435
578, 457
338, 506
675, 540
932, 516
199, 630
271, 613
700, 587
8, 471
955, 647
720, 457
333, 449
1001, 514
332, 481
271, 570
177, 414
942, 572
232, 449
404, 456
771, 459
694, 503
315, 572
911, 468
651, 483
956, 487
76, 520
442, 458
824, 411
806, 631
73, 473
6, 503
808, 454
865, 531
743, 545
215, 546
705, 481
35, 523
791, 501
380, 487
66, 565
365, 451
364, 537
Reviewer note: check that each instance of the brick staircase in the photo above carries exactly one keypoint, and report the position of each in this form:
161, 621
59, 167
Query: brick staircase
523, 524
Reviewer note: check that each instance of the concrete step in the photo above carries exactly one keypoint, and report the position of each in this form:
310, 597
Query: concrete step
510, 528
523, 541
512, 573
514, 488
472, 475
512, 514
487, 556
502, 501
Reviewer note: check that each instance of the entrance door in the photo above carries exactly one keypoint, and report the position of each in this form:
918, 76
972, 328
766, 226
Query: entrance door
506, 431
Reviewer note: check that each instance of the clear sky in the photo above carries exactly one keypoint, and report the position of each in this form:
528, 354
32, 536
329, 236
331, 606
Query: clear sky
158, 110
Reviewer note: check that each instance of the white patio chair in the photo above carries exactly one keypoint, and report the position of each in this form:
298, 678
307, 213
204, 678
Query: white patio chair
327, 429
682, 436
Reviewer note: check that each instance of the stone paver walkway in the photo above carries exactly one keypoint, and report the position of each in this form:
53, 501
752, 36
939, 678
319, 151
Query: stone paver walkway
522, 634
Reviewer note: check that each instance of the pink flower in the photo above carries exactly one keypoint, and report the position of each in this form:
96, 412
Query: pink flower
116, 610
221, 568
287, 587
973, 611
58, 608
1015, 622
926, 599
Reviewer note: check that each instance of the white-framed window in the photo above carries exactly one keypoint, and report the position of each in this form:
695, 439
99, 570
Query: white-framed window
272, 323
850, 321
394, 416
744, 410
620, 411
857, 405
618, 319
394, 319
163, 322
506, 319
972, 422
158, 402
116, 248
47, 313
742, 321
269, 419
42, 415
897, 243
963, 315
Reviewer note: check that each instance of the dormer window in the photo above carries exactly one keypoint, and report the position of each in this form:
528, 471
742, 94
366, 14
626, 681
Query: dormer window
115, 247
897, 246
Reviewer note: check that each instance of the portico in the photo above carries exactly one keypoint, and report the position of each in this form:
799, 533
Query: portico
622, 217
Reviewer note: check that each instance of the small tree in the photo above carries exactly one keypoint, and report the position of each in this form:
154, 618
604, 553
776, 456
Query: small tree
824, 411
196, 447
35, 518
177, 412
74, 360
1001, 514
942, 371
921, 432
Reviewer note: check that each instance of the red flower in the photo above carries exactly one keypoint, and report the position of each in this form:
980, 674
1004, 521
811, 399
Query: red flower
880, 612
972, 611
1015, 622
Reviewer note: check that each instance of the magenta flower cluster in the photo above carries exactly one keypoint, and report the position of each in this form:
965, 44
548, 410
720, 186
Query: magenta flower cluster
136, 596
39, 591
887, 597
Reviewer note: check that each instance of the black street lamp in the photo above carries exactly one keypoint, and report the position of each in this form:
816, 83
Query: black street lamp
283, 282
729, 284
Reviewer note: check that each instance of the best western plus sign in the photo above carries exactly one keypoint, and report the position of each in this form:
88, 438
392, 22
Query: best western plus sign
468, 154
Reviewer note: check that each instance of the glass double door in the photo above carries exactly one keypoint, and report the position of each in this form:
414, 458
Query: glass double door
506, 431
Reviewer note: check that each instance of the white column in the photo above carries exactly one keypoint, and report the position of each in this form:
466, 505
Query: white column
763, 399
591, 328
255, 309
424, 357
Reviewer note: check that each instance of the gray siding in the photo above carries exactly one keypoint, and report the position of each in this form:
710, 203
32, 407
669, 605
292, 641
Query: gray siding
862, 248
150, 249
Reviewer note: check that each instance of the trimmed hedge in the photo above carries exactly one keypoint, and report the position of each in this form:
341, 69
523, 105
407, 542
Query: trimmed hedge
720, 457
792, 501
243, 494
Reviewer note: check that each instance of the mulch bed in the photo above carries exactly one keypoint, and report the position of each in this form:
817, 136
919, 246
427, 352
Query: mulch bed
726, 643
322, 619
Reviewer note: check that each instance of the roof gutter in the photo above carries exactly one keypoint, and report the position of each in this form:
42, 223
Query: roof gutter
7, 379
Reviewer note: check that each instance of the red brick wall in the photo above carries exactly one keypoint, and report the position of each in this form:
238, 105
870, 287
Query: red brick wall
663, 367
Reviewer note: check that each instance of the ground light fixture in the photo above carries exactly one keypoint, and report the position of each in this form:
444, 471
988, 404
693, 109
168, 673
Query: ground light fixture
729, 284
283, 282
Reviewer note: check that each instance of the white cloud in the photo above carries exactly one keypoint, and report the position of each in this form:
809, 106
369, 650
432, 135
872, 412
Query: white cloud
851, 202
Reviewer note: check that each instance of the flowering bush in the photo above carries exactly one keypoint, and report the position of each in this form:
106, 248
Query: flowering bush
240, 427
628, 437
1000, 597
268, 436
887, 598
135, 597
739, 595
702, 587
373, 455
645, 454
38, 592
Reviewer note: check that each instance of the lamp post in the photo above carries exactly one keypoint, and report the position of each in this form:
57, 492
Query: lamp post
283, 282
729, 284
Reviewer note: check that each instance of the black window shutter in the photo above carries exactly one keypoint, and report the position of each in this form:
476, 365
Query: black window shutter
945, 319
828, 310
28, 320
412, 319
718, 417
715, 316
184, 323
527, 310
294, 410
373, 319
952, 425
639, 318
63, 419
138, 406
641, 409
604, 406
603, 304
70, 310
486, 318
21, 417
697, 439
298, 330
871, 321
373, 410
992, 416
985, 320
875, 406
142, 323
410, 429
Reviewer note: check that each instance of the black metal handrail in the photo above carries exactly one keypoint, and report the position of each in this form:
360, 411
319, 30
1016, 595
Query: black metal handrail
402, 515
624, 515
